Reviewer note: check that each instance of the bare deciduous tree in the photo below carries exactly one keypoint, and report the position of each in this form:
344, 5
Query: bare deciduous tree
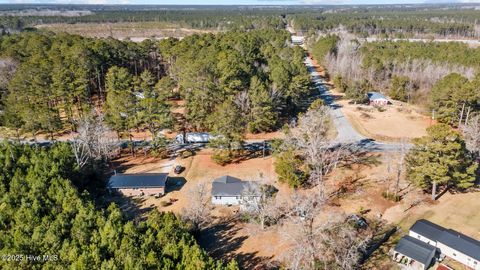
94, 140
197, 211
309, 136
471, 132
303, 211
258, 201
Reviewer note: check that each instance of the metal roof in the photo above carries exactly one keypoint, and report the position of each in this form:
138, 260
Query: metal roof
229, 186
427, 229
461, 243
144, 180
376, 95
448, 237
416, 250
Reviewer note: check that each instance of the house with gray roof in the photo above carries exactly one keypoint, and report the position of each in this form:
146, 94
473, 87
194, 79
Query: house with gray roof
229, 190
447, 242
414, 253
145, 184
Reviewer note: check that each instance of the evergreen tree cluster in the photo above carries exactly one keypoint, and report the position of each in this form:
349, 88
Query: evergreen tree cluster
42, 213
257, 72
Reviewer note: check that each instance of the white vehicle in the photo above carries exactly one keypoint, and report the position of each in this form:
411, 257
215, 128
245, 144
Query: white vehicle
194, 137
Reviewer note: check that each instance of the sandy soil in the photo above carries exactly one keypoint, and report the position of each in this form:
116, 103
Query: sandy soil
398, 121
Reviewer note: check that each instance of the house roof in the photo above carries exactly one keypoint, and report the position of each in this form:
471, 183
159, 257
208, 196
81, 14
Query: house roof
416, 250
448, 237
145, 180
376, 95
229, 186
427, 229
461, 243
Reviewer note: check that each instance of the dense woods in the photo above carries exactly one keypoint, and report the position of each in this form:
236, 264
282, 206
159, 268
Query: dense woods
400, 22
50, 81
42, 213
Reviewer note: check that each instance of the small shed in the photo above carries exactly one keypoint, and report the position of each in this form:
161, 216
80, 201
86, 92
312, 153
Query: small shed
145, 184
376, 98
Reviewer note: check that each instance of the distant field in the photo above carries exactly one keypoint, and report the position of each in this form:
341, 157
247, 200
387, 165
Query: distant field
136, 31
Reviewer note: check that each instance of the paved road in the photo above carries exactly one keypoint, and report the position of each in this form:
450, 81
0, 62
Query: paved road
346, 134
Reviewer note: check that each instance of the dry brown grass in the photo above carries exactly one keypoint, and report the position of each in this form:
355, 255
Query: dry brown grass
136, 31
393, 124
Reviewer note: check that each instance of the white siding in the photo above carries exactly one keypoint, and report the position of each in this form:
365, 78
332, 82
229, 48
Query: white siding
233, 200
448, 251
226, 200
458, 256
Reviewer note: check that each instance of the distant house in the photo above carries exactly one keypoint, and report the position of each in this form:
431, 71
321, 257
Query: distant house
228, 190
446, 242
376, 98
145, 184
298, 40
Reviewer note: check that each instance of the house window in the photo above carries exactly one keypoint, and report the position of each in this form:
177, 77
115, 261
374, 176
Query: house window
454, 254
419, 237
474, 262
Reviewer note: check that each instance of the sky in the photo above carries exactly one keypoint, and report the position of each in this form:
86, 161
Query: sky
239, 2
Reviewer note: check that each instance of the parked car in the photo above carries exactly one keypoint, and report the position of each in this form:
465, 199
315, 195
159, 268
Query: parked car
178, 169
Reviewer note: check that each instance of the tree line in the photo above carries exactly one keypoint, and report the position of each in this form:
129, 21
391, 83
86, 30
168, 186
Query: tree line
443, 73
43, 213
51, 81
399, 22
218, 19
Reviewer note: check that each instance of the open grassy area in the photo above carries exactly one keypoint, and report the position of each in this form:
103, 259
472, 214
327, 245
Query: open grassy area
456, 211
136, 31
390, 123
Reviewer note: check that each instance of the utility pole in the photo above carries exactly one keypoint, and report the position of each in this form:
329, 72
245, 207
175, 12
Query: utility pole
433, 117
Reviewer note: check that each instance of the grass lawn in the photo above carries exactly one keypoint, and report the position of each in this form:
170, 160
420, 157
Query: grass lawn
459, 212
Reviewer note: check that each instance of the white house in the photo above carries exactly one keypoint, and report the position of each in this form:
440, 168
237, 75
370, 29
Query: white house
447, 242
376, 98
297, 40
228, 190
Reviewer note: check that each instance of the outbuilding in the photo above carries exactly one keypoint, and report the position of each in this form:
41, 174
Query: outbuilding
145, 184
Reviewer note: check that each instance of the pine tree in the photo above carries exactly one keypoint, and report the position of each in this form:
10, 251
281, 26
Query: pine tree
441, 159
263, 117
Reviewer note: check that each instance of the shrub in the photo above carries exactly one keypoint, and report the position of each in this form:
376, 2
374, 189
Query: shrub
187, 154
316, 104
390, 196
165, 203
222, 157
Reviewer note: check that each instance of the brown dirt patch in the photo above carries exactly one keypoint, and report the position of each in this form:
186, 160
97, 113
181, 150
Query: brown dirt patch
398, 121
